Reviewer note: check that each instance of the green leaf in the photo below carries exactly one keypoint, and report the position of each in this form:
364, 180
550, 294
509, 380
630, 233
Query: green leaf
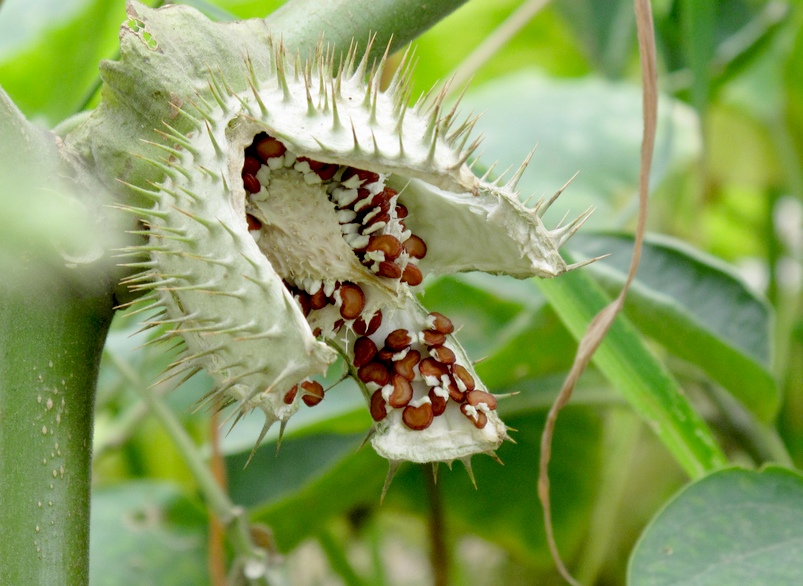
628, 364
698, 308
146, 533
587, 125
50, 66
504, 508
732, 527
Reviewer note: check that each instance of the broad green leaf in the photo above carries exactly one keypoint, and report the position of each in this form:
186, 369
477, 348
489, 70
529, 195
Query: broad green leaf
146, 533
587, 125
50, 68
504, 508
628, 364
734, 526
697, 307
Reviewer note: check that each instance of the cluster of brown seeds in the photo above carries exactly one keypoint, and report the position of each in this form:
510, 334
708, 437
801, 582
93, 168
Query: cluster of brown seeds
370, 217
414, 371
423, 360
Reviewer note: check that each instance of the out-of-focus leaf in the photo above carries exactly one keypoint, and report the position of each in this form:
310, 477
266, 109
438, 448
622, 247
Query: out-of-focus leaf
49, 71
606, 29
586, 125
698, 308
146, 533
504, 508
628, 364
732, 527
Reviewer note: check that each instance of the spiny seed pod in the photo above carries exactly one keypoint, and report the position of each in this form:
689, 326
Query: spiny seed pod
272, 193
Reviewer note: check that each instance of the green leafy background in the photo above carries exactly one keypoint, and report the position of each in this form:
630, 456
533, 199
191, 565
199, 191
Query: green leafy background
705, 366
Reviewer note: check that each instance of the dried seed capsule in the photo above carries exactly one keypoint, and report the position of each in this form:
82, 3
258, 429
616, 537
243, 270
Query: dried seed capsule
318, 300
364, 351
378, 409
389, 269
461, 374
398, 340
290, 395
314, 394
387, 244
438, 403
251, 183
415, 247
363, 329
433, 338
475, 397
251, 165
374, 372
418, 418
431, 367
440, 323
353, 301
478, 418
253, 223
443, 354
412, 275
402, 392
406, 366
365, 176
269, 147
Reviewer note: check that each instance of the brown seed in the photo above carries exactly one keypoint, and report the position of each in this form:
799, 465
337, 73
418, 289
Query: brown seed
431, 367
269, 147
398, 340
401, 212
338, 324
365, 176
378, 409
374, 372
418, 418
443, 354
362, 194
314, 393
389, 269
318, 300
386, 243
402, 392
385, 355
406, 366
455, 394
441, 323
412, 275
438, 403
461, 372
415, 247
363, 329
475, 397
327, 172
433, 338
251, 165
253, 223
251, 183
290, 395
353, 301
481, 419
382, 217
316, 332
303, 300
364, 351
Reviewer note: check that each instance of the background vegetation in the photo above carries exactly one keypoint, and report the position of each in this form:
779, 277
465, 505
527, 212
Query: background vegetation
717, 302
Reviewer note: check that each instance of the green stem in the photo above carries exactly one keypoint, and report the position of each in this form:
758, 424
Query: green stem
300, 23
50, 344
234, 518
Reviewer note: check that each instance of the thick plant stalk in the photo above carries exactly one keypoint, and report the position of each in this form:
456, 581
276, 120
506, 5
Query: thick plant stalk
49, 353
